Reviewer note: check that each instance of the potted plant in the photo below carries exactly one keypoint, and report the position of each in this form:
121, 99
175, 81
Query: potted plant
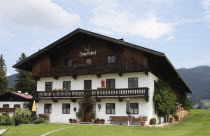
70, 120
74, 121
143, 119
102, 121
92, 116
79, 114
97, 121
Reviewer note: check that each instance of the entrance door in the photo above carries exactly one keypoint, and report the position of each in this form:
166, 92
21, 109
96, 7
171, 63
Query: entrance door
87, 109
87, 84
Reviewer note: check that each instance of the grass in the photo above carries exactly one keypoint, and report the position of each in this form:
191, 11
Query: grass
197, 124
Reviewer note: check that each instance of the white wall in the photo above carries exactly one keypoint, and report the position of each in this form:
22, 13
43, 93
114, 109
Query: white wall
146, 108
11, 105
78, 84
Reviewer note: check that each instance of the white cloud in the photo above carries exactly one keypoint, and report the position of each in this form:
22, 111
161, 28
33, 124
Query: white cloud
114, 17
206, 4
36, 14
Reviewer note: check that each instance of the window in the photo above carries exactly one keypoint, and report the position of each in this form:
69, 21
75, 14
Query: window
67, 85
111, 59
133, 82
66, 108
48, 108
134, 108
67, 62
48, 86
110, 108
5, 105
87, 84
88, 60
110, 83
17, 106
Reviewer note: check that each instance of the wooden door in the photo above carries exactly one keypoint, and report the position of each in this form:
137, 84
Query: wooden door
87, 109
87, 84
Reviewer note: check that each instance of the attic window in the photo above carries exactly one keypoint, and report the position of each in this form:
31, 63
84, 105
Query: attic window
111, 59
67, 62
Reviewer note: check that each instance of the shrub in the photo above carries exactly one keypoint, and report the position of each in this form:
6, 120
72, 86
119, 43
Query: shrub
39, 121
92, 115
164, 98
79, 114
21, 116
152, 121
5, 120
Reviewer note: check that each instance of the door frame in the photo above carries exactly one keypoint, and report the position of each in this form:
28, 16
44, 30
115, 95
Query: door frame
84, 110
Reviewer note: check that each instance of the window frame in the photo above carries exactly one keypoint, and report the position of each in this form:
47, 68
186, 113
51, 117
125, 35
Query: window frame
69, 84
19, 106
129, 86
7, 105
112, 79
68, 62
46, 86
88, 59
110, 110
112, 61
85, 84
49, 110
66, 110
133, 109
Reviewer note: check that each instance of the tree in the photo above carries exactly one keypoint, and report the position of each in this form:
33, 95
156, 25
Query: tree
164, 98
24, 82
3, 78
187, 103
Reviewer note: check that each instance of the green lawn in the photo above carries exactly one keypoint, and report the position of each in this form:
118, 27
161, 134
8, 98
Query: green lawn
197, 124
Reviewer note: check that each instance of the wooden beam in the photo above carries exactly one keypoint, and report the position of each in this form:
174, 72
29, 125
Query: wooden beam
55, 100
98, 75
98, 100
56, 77
120, 99
36, 78
120, 73
74, 76
73, 100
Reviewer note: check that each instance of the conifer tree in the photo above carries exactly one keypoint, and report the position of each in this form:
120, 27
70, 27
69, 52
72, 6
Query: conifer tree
24, 82
3, 78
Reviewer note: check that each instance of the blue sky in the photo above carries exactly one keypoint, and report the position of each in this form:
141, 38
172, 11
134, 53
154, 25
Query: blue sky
179, 28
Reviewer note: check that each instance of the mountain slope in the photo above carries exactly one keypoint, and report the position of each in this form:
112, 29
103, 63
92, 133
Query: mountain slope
198, 80
11, 80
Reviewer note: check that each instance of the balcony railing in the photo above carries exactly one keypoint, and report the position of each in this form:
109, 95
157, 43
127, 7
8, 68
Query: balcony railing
7, 109
105, 93
85, 69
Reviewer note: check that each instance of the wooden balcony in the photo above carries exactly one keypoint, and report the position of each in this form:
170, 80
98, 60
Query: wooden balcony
85, 69
7, 109
105, 93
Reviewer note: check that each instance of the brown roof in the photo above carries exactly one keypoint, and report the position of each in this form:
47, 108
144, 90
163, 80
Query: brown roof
26, 63
22, 95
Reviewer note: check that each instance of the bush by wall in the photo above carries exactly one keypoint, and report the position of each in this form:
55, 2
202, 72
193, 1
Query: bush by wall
5, 120
152, 121
39, 121
22, 116
164, 98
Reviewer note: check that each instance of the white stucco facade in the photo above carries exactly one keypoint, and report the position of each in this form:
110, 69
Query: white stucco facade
11, 105
145, 108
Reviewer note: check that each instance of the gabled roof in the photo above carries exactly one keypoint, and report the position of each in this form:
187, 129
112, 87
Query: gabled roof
118, 41
18, 96
161, 55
